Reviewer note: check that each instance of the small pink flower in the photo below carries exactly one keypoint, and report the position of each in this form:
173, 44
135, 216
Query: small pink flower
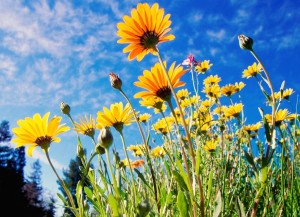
189, 61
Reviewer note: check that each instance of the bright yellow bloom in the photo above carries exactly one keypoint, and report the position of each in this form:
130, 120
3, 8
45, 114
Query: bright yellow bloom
234, 110
211, 80
281, 115
155, 83
203, 66
239, 86
144, 117
158, 152
182, 94
154, 102
229, 90
213, 91
117, 116
164, 125
190, 101
37, 131
252, 127
252, 70
285, 94
86, 126
207, 103
138, 150
144, 30
211, 145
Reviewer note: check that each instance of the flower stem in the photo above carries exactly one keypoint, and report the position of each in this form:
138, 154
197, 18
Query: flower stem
115, 186
147, 150
130, 168
191, 149
63, 185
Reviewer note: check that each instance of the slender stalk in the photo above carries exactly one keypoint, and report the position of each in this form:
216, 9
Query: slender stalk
273, 100
63, 185
112, 175
191, 149
146, 148
130, 168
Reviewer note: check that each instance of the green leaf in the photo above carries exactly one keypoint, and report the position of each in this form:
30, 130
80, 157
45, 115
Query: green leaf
240, 208
218, 207
182, 204
198, 159
113, 205
209, 184
250, 160
141, 176
179, 180
62, 199
88, 192
183, 173
267, 130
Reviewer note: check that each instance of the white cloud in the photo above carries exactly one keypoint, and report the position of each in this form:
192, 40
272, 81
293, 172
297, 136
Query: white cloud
37, 154
216, 35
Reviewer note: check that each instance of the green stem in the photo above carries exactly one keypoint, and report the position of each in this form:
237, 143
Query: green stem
130, 168
63, 185
146, 148
112, 175
191, 149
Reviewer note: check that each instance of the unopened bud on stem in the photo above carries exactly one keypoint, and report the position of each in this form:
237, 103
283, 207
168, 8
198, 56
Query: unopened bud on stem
115, 81
245, 42
105, 138
65, 108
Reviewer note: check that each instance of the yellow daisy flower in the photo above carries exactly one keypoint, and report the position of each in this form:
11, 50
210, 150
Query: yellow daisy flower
117, 116
234, 110
252, 71
144, 117
138, 150
154, 102
182, 94
239, 86
281, 115
164, 126
203, 66
86, 126
211, 80
38, 131
213, 91
146, 28
156, 84
211, 145
158, 152
229, 90
252, 127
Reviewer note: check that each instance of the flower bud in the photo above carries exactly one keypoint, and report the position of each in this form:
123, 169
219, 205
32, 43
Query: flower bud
99, 149
105, 138
144, 208
65, 108
80, 150
115, 81
245, 42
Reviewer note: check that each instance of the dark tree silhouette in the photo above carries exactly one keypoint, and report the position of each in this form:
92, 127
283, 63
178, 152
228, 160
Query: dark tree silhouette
13, 196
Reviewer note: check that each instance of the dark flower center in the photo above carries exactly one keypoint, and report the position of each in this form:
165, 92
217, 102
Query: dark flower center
164, 93
149, 40
43, 140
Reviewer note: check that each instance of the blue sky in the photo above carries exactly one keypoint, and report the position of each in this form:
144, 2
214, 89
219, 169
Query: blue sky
53, 51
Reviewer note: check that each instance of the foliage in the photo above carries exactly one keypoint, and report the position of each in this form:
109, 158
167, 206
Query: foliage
208, 160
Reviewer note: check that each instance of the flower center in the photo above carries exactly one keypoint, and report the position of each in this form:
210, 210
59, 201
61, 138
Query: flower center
164, 93
149, 40
43, 141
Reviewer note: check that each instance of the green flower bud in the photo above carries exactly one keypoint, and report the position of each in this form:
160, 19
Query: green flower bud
65, 108
105, 138
144, 208
245, 42
80, 150
99, 149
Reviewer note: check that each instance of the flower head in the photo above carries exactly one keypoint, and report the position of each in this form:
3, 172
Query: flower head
138, 150
203, 66
38, 131
154, 102
144, 117
211, 145
252, 71
281, 115
234, 110
245, 42
86, 126
155, 82
158, 152
115, 81
164, 125
146, 28
189, 61
117, 116
211, 80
